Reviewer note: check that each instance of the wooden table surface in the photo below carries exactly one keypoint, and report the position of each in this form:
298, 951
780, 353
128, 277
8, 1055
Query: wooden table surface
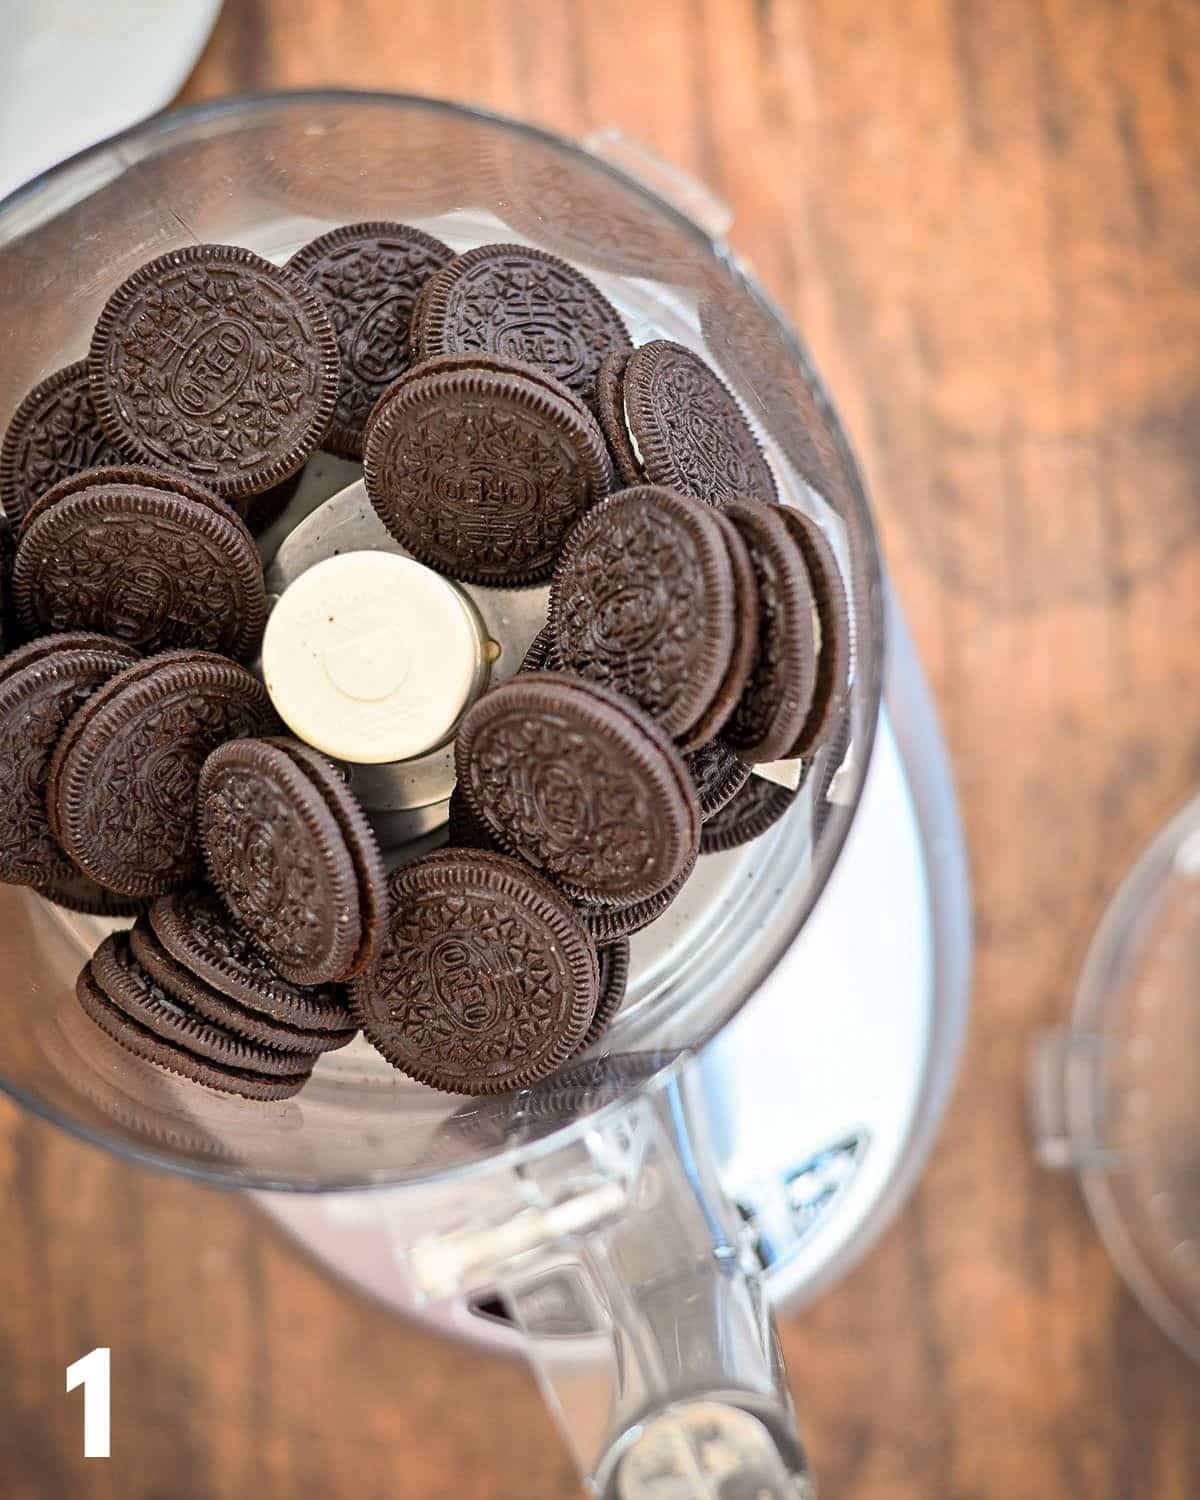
985, 218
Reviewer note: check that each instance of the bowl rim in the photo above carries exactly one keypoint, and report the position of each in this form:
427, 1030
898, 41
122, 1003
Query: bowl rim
871, 631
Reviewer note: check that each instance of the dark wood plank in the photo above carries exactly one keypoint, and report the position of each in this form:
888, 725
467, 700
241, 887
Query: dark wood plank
984, 218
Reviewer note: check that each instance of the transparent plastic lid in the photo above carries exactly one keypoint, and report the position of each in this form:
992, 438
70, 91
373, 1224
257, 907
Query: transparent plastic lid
1116, 1097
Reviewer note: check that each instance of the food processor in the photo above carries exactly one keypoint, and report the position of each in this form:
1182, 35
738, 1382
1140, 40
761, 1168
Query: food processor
768, 1093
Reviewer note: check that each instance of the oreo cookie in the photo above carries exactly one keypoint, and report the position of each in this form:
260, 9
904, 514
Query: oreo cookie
756, 806
215, 362
37, 700
368, 276
154, 568
141, 476
255, 1024
832, 687
129, 986
520, 302
582, 784
717, 774
643, 602
486, 982
53, 433
744, 651
610, 408
123, 780
771, 714
480, 473
685, 427
293, 857
613, 978
608, 924
139, 1040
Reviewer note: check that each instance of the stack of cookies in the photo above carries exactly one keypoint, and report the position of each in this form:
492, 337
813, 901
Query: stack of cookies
511, 436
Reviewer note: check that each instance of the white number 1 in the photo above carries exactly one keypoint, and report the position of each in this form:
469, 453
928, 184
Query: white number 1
92, 1373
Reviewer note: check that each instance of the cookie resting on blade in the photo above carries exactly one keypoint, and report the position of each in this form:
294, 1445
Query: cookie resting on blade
124, 777
361, 843
212, 360
368, 276
517, 301
277, 857
582, 784
481, 474
643, 602
152, 568
486, 982
688, 429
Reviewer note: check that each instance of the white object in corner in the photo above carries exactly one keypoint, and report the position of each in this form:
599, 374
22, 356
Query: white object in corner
73, 72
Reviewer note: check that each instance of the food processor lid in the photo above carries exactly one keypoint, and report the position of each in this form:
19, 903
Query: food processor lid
1116, 1097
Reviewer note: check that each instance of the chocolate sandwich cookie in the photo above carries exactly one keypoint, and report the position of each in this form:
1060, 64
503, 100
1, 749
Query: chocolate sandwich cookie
481, 474
360, 840
368, 277
37, 701
774, 709
54, 432
832, 756
686, 428
78, 892
215, 362
582, 784
148, 566
717, 774
123, 781
201, 935
141, 476
832, 687
281, 857
128, 985
495, 364
464, 830
614, 976
486, 982
308, 1041
610, 408
69, 640
643, 602
147, 1045
757, 806
517, 301
541, 655
744, 651
608, 924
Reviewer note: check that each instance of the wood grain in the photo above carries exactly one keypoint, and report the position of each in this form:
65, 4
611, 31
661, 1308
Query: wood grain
985, 219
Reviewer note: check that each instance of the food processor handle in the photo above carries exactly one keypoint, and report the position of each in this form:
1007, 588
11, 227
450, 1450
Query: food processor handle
636, 1286
685, 1392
